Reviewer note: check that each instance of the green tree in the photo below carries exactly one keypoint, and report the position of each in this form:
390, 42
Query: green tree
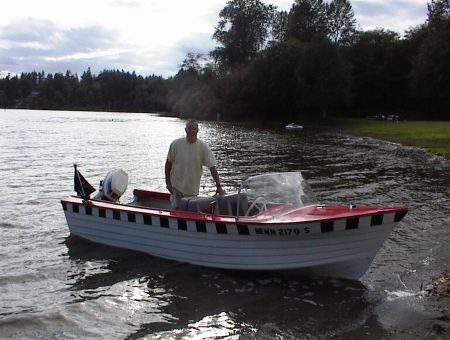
341, 22
242, 32
306, 19
438, 13
150, 95
289, 81
279, 26
431, 68
88, 92
327, 77
192, 61
11, 93
380, 71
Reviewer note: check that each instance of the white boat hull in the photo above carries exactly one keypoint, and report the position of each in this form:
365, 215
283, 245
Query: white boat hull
304, 247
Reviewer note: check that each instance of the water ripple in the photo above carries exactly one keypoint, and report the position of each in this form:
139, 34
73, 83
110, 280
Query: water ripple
54, 287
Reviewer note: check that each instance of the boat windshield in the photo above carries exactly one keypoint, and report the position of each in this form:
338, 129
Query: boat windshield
281, 187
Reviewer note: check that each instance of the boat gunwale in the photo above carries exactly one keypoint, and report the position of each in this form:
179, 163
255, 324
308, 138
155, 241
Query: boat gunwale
209, 217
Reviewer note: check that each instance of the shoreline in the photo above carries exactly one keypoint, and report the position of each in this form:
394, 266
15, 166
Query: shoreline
439, 286
432, 136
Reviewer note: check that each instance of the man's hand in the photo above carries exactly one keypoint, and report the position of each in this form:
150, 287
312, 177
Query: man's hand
219, 190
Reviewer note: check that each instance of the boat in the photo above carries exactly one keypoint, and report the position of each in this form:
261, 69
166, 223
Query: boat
273, 222
294, 126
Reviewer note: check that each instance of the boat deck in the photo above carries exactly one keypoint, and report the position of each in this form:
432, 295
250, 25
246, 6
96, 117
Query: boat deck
151, 203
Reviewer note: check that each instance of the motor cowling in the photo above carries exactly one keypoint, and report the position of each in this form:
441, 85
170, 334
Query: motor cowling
114, 185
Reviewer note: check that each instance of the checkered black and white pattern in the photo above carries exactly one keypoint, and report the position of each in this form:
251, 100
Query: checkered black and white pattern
203, 226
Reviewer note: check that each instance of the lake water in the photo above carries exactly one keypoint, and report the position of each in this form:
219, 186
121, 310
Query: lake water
54, 287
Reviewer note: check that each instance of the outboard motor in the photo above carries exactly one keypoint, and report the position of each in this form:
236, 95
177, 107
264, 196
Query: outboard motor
113, 186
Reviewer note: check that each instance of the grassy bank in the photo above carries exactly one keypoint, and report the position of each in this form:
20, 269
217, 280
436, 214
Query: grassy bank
434, 136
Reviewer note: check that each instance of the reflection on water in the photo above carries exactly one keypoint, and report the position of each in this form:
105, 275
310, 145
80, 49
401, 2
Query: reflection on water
54, 287
194, 302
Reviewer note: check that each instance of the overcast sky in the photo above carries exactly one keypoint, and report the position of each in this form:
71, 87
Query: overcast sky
146, 36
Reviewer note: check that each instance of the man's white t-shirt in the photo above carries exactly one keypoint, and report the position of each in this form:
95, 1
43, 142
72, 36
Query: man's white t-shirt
187, 161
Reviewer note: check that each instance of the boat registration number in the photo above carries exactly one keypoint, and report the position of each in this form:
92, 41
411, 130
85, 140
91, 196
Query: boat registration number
282, 231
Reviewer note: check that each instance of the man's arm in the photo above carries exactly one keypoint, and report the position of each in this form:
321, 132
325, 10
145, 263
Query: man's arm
215, 176
167, 170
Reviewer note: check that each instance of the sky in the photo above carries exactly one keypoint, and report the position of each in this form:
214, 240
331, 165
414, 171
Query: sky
145, 36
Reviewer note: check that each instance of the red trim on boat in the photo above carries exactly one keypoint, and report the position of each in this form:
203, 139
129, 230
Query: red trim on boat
151, 194
150, 211
307, 215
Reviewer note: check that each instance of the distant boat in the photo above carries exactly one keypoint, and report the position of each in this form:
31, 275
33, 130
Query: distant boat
294, 126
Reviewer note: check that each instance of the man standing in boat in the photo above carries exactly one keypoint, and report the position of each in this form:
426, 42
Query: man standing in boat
185, 160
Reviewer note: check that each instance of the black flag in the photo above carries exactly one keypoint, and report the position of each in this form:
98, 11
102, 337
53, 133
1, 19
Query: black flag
82, 187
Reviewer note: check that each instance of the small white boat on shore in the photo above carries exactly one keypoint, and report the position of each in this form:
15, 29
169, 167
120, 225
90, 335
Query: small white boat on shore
294, 126
272, 223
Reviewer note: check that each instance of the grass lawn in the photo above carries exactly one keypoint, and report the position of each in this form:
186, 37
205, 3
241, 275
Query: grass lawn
434, 136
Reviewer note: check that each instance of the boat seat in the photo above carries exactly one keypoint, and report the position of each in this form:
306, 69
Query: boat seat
196, 204
228, 204
184, 201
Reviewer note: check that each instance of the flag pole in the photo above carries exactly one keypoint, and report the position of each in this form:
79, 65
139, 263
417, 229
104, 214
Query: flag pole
80, 184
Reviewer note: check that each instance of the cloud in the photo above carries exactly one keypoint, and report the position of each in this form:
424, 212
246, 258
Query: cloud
33, 44
45, 35
145, 45
199, 43
27, 30
126, 3
393, 15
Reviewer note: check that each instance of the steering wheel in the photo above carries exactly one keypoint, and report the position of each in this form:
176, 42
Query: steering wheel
260, 203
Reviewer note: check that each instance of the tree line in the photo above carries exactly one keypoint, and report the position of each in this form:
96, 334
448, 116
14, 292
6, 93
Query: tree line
308, 62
